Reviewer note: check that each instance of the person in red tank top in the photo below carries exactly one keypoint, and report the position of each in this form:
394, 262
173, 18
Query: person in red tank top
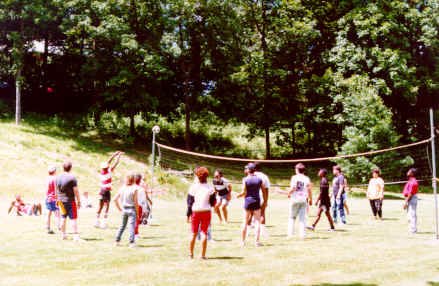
51, 199
105, 187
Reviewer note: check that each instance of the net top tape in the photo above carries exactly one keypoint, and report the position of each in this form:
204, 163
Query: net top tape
293, 160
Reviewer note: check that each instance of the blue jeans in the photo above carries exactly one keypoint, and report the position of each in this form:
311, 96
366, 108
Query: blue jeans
411, 214
338, 205
129, 216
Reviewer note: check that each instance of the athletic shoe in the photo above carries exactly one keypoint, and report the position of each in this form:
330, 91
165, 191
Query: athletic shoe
258, 244
310, 228
133, 245
136, 237
117, 243
76, 238
203, 258
104, 225
331, 230
64, 236
97, 224
242, 244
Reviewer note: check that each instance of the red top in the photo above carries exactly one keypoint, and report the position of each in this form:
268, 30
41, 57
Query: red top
411, 187
51, 189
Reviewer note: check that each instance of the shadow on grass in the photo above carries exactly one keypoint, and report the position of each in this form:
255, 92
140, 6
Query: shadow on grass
149, 246
390, 218
431, 283
316, 238
278, 235
339, 284
222, 240
226, 258
425, 232
92, 239
152, 237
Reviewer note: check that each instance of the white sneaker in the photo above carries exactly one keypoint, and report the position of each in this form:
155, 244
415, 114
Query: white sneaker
97, 224
133, 245
104, 225
242, 244
76, 238
64, 236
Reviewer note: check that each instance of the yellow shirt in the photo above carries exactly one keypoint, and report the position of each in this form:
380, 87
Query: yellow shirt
376, 189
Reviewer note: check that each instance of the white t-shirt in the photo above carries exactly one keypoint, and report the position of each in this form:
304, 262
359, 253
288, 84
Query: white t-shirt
375, 188
201, 194
266, 182
141, 197
301, 183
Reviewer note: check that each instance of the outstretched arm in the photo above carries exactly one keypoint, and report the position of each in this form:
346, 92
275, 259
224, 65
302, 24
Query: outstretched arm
119, 154
243, 193
264, 194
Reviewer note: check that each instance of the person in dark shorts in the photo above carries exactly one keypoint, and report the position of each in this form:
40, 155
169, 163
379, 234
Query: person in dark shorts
252, 202
106, 174
68, 198
223, 190
323, 200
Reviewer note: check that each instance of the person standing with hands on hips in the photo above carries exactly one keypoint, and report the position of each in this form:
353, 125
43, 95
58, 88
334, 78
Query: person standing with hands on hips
411, 200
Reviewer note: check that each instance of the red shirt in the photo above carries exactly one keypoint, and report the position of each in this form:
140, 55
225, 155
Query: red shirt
411, 187
51, 189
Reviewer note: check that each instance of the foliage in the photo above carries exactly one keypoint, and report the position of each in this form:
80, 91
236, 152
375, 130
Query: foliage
368, 126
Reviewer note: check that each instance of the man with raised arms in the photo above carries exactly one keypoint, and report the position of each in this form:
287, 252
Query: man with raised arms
106, 177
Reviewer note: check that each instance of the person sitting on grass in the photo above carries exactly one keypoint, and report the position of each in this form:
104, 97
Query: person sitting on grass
375, 194
51, 199
128, 199
323, 200
22, 208
201, 198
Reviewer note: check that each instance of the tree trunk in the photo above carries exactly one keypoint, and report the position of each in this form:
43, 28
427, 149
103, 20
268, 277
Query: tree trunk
187, 107
132, 125
267, 143
293, 138
45, 56
18, 96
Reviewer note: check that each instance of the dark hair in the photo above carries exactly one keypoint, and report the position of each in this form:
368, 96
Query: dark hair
67, 166
137, 178
413, 171
219, 172
323, 171
202, 174
337, 167
258, 166
300, 167
376, 171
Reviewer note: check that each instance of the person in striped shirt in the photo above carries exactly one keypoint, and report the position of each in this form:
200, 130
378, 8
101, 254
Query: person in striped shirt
105, 187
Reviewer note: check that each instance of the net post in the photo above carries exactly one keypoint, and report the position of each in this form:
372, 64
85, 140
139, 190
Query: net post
155, 130
433, 159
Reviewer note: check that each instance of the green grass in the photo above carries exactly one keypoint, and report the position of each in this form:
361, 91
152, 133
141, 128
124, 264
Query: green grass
364, 252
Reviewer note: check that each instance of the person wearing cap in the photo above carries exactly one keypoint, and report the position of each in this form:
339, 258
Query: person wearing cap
51, 198
105, 188
252, 202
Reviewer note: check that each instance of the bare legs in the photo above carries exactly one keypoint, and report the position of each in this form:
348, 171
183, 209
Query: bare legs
203, 244
247, 217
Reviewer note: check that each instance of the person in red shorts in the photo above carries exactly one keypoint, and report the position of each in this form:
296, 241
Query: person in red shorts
142, 199
200, 200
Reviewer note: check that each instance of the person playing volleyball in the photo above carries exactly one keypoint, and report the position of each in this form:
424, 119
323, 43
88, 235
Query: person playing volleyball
201, 198
252, 202
105, 188
299, 194
223, 188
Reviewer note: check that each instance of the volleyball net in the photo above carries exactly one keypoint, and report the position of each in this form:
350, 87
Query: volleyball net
393, 162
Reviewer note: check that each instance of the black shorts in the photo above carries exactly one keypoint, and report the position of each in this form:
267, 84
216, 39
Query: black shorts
252, 205
105, 196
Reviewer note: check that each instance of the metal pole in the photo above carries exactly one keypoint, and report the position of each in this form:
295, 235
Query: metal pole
152, 163
433, 159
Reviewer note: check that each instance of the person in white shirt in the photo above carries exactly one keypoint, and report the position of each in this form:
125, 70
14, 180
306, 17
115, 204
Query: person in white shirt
201, 198
266, 182
375, 194
299, 194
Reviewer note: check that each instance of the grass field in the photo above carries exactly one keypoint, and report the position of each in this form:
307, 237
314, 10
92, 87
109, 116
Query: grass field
364, 252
